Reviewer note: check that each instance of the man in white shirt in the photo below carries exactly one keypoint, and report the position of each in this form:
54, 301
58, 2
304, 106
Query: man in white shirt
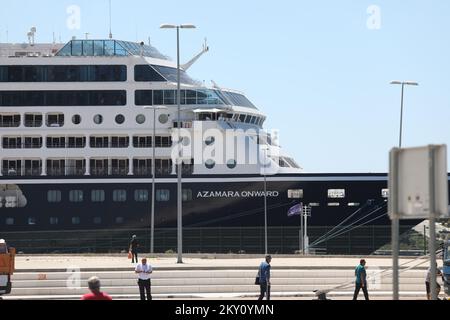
144, 270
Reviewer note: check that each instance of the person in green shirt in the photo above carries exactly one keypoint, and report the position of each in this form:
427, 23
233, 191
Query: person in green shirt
361, 280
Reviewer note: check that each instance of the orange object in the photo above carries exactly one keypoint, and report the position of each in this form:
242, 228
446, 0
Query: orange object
130, 255
7, 262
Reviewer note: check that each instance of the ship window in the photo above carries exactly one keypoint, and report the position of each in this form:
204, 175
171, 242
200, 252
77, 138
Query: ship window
98, 195
33, 167
336, 193
33, 143
141, 195
120, 142
385, 193
119, 195
55, 120
231, 164
120, 220
120, 167
76, 142
147, 73
333, 204
99, 142
314, 204
76, 119
140, 119
283, 163
98, 119
76, 196
210, 164
120, 119
163, 195
33, 120
56, 167
187, 195
12, 142
210, 140
12, 167
97, 220
354, 204
9, 221
295, 194
142, 142
163, 119
76, 220
31, 221
54, 196
9, 121
169, 97
56, 142
54, 220
62, 98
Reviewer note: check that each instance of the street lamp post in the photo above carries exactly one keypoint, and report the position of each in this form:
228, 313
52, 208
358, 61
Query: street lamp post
152, 218
403, 84
180, 161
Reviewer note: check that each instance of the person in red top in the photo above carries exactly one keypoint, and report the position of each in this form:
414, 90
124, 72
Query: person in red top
96, 294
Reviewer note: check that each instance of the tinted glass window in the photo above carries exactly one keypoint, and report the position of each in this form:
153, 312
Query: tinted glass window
62, 98
147, 73
66, 73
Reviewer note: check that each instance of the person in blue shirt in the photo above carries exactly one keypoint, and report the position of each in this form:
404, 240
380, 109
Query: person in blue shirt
361, 280
264, 278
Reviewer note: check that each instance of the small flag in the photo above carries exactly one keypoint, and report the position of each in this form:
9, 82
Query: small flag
295, 210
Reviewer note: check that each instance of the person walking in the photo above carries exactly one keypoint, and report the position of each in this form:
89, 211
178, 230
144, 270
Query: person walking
264, 278
361, 280
134, 245
96, 294
144, 271
428, 281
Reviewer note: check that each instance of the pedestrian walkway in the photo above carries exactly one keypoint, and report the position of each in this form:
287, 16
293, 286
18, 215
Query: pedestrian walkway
205, 277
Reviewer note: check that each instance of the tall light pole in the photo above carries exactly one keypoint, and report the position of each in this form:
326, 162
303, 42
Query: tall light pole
403, 84
180, 160
152, 219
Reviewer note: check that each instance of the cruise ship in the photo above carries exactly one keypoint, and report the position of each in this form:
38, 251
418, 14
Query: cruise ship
82, 122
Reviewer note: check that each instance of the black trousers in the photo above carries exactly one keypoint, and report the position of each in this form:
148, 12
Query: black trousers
134, 255
265, 291
145, 285
359, 287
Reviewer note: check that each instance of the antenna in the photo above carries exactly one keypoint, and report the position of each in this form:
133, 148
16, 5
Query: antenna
110, 21
149, 42
54, 38
87, 35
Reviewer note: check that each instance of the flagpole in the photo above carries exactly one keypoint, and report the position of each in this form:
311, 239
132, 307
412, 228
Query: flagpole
302, 245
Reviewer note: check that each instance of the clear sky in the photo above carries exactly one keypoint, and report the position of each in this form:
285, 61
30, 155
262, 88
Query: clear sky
319, 69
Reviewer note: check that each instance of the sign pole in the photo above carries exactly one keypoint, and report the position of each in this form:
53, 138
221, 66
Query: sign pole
432, 221
302, 244
393, 181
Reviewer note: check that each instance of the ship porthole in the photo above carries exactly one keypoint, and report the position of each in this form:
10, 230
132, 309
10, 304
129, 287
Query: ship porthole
210, 164
231, 164
120, 119
76, 119
163, 119
98, 119
140, 118
210, 140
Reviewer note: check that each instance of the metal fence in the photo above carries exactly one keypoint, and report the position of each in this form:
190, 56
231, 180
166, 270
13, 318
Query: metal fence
281, 240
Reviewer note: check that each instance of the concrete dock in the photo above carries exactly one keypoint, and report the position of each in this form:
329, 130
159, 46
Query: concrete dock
211, 277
